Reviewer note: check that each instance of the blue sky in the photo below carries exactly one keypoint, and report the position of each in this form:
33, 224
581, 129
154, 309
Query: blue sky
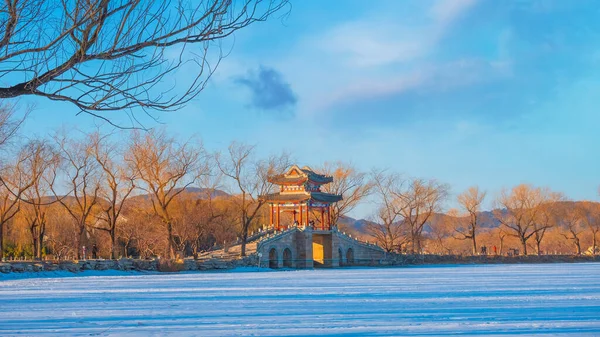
493, 93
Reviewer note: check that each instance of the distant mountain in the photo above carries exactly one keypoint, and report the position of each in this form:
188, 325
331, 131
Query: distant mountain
358, 227
199, 193
202, 193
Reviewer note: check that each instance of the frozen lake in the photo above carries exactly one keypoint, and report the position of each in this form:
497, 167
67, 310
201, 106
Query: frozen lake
549, 299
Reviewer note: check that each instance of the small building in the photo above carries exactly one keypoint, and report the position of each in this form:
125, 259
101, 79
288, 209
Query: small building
305, 235
300, 195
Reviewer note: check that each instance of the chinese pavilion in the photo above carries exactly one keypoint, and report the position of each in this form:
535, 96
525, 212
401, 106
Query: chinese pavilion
300, 194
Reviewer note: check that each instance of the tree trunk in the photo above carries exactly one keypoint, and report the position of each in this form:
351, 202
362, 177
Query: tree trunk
474, 244
501, 246
40, 239
524, 245
35, 247
34, 240
244, 238
594, 244
578, 246
171, 243
538, 247
112, 243
1, 240
78, 246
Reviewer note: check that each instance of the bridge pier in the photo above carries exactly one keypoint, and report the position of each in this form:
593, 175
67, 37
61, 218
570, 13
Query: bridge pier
305, 248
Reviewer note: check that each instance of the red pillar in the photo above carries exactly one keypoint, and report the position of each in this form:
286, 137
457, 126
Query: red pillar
301, 214
323, 219
277, 218
270, 214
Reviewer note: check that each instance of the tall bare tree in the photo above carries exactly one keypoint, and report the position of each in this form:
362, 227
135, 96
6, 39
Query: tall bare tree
108, 55
348, 182
42, 164
471, 200
82, 179
249, 177
419, 199
572, 217
519, 211
546, 219
16, 179
592, 221
164, 168
117, 184
387, 226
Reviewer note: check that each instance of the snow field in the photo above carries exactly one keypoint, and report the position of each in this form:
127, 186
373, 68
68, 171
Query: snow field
549, 299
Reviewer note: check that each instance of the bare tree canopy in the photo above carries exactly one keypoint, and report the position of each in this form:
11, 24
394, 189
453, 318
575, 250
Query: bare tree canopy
471, 200
250, 179
9, 124
348, 182
387, 226
107, 55
164, 169
521, 210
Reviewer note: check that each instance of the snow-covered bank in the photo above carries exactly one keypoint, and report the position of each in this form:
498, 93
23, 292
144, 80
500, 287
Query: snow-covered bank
551, 299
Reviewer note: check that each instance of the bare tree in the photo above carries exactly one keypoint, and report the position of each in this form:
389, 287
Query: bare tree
16, 179
164, 168
520, 209
9, 124
419, 199
471, 201
592, 221
82, 178
42, 164
387, 226
501, 237
249, 177
348, 182
572, 217
443, 226
117, 184
108, 55
546, 219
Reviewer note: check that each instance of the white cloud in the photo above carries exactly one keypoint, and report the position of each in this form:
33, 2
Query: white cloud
381, 41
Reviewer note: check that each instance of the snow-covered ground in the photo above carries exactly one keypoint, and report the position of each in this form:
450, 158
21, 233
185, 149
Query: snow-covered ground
550, 299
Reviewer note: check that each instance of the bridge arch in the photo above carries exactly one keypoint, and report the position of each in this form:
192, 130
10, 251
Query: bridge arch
273, 259
340, 256
350, 256
287, 258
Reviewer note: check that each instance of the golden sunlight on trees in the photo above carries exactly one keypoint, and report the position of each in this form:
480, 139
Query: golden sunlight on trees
83, 182
109, 55
387, 226
419, 200
470, 201
520, 211
118, 182
405, 206
249, 179
164, 169
43, 163
348, 182
148, 194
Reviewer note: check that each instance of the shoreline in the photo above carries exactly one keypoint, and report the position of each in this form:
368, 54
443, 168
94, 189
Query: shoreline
131, 267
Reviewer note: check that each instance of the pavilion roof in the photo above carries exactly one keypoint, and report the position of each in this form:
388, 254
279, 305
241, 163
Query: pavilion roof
302, 196
297, 176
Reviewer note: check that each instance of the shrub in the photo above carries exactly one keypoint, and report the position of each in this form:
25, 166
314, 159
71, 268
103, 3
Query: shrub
170, 266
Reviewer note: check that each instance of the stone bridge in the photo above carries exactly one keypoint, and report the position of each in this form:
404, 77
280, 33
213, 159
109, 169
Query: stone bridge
305, 247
